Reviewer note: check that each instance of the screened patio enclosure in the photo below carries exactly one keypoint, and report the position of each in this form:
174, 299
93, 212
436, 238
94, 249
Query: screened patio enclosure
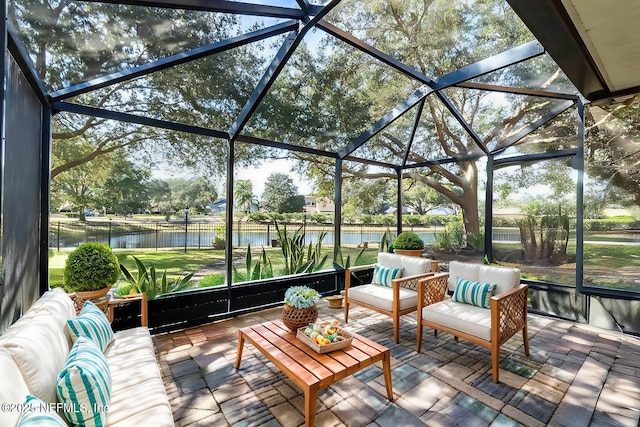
477, 100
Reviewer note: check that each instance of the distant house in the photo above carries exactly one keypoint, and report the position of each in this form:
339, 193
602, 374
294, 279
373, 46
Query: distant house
219, 206
317, 205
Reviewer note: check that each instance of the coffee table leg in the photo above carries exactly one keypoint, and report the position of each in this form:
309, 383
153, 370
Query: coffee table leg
239, 352
310, 396
386, 367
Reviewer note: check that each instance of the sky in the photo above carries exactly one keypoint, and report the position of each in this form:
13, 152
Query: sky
259, 175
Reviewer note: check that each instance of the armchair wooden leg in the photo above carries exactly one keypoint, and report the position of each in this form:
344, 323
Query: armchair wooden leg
396, 330
495, 362
346, 310
525, 336
419, 338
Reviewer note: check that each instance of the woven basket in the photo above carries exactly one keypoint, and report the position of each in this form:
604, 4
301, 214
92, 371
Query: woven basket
294, 318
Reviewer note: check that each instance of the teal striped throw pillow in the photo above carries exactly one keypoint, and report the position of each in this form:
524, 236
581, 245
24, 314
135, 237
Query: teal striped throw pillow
37, 413
473, 293
384, 275
91, 323
84, 385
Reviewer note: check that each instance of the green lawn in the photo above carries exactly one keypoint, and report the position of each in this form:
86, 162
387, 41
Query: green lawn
178, 263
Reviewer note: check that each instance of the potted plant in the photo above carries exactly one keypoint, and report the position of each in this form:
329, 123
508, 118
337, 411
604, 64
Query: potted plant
90, 271
300, 307
408, 243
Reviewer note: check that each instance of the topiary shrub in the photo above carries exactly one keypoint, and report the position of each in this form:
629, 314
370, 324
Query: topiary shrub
91, 266
408, 240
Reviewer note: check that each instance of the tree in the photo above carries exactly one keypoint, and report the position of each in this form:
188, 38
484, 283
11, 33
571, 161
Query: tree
363, 196
126, 190
78, 186
434, 37
111, 182
422, 198
159, 196
243, 195
278, 189
193, 193
72, 42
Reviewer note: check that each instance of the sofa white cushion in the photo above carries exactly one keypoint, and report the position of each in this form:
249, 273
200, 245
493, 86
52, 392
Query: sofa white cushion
505, 278
134, 370
461, 317
130, 340
39, 350
13, 390
463, 270
57, 303
382, 296
412, 265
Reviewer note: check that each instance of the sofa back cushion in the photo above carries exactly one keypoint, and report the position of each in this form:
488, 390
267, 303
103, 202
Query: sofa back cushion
13, 390
505, 278
39, 351
38, 344
462, 270
411, 265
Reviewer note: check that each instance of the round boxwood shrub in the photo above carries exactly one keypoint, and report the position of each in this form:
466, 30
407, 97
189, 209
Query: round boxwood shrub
408, 240
91, 266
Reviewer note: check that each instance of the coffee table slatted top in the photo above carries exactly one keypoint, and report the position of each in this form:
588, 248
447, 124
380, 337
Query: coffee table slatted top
309, 369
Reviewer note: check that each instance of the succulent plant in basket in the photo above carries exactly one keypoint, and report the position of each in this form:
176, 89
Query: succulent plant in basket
408, 243
300, 307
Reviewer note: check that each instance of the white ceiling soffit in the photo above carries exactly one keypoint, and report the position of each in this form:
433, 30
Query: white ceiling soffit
611, 32
595, 42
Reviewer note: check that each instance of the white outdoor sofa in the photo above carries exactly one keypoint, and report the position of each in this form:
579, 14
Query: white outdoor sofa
35, 348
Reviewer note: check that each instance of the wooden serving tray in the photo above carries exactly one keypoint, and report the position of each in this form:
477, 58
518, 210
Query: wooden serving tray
325, 348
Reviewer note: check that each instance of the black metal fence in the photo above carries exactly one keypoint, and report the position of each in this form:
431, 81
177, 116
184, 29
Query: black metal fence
200, 235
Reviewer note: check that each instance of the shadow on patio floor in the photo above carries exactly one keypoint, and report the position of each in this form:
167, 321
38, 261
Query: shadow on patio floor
577, 375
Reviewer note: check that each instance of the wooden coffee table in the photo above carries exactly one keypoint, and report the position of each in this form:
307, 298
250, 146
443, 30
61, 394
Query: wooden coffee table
309, 370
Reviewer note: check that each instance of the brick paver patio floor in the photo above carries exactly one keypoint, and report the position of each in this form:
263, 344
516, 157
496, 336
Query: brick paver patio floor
577, 375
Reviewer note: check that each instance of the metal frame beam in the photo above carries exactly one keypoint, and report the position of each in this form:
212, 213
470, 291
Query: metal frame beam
406, 105
285, 146
535, 125
132, 118
215, 6
530, 158
45, 196
370, 162
460, 118
271, 74
414, 129
22, 58
467, 158
488, 65
370, 50
173, 60
517, 91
